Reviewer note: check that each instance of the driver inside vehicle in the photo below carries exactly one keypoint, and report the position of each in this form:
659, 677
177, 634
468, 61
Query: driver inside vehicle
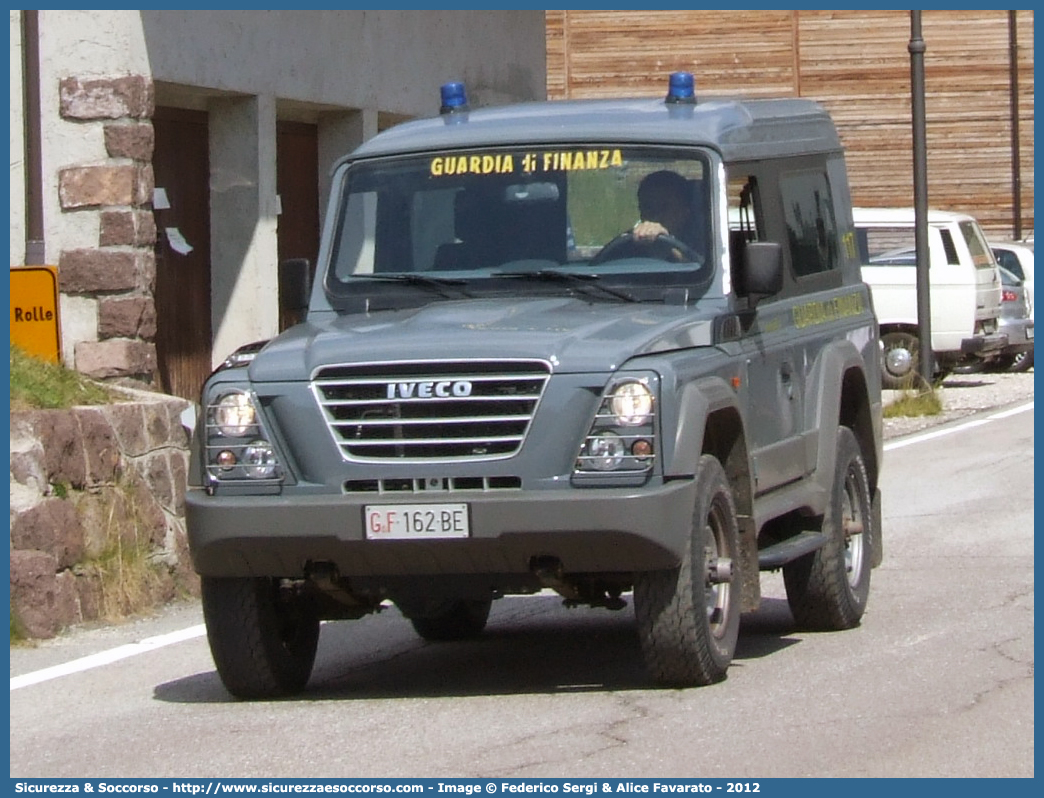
664, 207
668, 226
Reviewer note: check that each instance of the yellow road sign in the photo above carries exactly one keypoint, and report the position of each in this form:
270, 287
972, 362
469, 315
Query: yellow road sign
34, 311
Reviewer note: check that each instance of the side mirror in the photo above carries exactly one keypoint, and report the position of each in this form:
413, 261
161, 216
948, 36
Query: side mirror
762, 270
295, 285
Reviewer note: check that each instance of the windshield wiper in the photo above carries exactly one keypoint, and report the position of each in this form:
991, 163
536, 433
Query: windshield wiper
437, 284
584, 281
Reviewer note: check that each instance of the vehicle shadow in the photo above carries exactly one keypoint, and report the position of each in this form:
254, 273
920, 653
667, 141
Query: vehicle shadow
536, 650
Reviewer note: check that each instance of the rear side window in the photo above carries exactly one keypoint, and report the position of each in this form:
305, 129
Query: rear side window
981, 254
808, 210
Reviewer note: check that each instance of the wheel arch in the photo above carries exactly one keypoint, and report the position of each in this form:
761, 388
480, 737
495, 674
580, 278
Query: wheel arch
898, 326
846, 395
710, 422
841, 393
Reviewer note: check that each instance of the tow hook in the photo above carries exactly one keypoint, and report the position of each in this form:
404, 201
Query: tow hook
551, 574
325, 577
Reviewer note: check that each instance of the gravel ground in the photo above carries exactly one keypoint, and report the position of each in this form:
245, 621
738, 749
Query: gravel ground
965, 395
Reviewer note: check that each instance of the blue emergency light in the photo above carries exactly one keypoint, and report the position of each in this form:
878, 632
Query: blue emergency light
454, 98
681, 88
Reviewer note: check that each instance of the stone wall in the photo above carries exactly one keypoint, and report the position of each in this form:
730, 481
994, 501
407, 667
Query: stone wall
118, 274
85, 482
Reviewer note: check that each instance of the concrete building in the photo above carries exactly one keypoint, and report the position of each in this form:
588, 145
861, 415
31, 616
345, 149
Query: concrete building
179, 155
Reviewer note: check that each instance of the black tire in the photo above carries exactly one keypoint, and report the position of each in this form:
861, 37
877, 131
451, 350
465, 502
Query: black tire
828, 589
1023, 361
688, 617
975, 365
263, 643
901, 364
462, 619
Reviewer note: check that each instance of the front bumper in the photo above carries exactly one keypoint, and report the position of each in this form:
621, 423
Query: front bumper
589, 530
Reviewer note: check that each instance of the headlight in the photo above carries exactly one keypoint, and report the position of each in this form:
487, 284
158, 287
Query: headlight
631, 403
606, 451
238, 448
234, 415
622, 437
259, 460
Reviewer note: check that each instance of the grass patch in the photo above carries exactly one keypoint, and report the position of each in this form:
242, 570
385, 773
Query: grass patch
38, 384
129, 581
18, 635
913, 404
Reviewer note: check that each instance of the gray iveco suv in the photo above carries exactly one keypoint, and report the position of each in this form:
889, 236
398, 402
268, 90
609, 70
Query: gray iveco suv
616, 349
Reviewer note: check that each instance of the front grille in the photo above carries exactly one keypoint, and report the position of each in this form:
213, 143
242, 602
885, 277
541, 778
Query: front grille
433, 410
431, 485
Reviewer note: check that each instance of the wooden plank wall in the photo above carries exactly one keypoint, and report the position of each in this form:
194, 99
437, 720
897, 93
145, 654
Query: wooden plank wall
857, 64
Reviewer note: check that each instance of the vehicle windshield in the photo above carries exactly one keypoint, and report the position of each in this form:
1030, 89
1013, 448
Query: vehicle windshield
525, 220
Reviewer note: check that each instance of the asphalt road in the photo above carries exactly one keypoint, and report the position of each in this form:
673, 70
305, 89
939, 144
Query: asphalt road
936, 682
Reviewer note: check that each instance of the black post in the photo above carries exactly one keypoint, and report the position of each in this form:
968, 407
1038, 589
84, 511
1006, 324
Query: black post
1016, 160
34, 234
920, 164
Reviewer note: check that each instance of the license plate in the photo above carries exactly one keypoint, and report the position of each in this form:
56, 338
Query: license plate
1029, 332
415, 521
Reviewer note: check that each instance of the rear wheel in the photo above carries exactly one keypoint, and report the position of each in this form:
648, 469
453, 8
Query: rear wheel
688, 617
828, 588
459, 620
263, 640
1023, 361
901, 360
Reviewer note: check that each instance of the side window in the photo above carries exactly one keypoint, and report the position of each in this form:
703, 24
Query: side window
744, 225
1010, 261
952, 258
887, 246
743, 215
808, 210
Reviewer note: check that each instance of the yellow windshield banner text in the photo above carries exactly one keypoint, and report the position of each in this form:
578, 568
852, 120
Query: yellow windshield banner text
528, 163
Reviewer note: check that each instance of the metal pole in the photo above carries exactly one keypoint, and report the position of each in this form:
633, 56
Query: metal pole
1016, 160
920, 175
34, 233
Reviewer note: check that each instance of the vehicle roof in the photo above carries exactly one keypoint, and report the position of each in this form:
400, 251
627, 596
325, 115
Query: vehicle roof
740, 129
905, 216
1014, 246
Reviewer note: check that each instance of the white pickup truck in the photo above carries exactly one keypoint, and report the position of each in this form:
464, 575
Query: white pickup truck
965, 289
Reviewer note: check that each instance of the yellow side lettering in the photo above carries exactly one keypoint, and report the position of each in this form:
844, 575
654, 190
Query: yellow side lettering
824, 311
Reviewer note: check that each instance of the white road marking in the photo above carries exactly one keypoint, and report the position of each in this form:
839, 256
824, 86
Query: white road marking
153, 643
107, 657
939, 433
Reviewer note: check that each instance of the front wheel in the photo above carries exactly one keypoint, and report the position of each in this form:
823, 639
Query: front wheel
263, 639
688, 617
828, 588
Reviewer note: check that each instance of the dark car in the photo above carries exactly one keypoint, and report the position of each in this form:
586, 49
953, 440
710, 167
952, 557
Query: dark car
1018, 259
1016, 321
